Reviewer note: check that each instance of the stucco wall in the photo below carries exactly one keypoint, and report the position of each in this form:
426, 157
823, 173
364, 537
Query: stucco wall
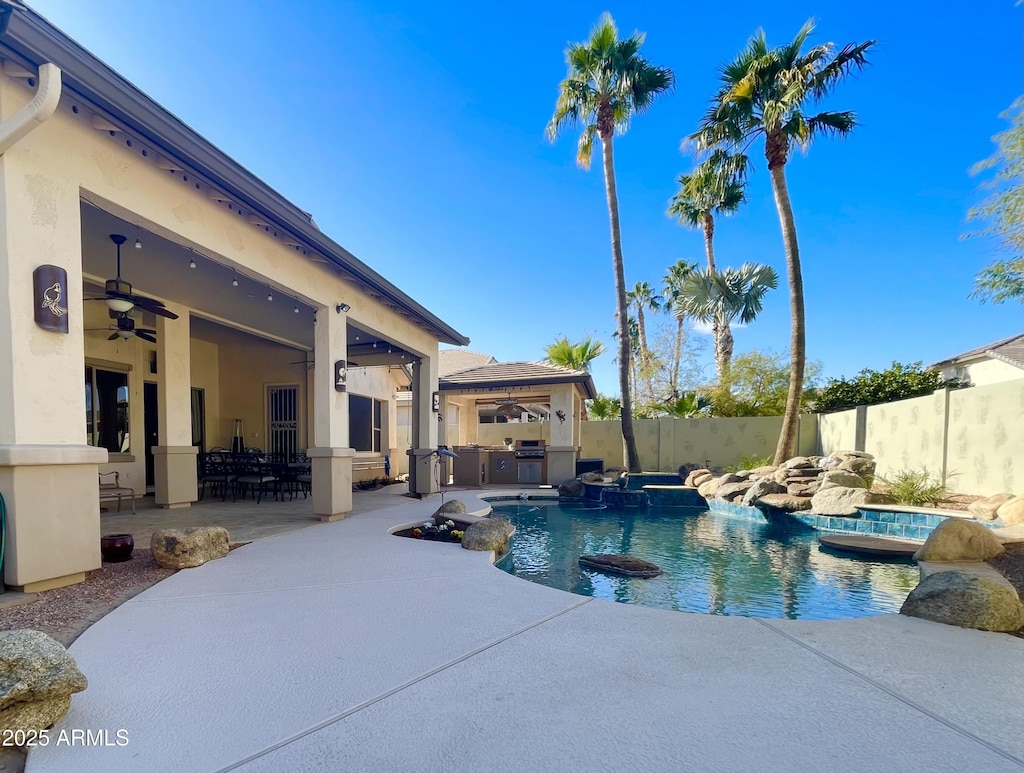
837, 431
986, 438
907, 434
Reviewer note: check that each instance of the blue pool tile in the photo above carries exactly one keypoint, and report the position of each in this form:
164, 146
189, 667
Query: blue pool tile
920, 519
863, 527
893, 530
887, 517
904, 518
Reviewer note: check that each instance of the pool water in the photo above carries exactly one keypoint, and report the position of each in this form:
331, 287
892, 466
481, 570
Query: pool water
716, 564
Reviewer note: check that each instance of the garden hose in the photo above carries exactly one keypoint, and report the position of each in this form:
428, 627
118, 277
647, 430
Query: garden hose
3, 539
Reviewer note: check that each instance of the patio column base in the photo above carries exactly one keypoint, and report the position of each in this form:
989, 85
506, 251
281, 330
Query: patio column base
561, 463
174, 476
51, 493
422, 475
332, 482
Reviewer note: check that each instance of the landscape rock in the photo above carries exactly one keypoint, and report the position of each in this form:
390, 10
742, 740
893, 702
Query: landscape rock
760, 488
780, 475
986, 509
865, 467
803, 488
841, 477
1011, 512
37, 679
704, 478
619, 564
957, 539
741, 474
687, 470
786, 502
797, 462
614, 472
840, 500
709, 488
767, 469
490, 533
571, 488
189, 547
959, 598
803, 472
592, 477
451, 507
733, 492
692, 475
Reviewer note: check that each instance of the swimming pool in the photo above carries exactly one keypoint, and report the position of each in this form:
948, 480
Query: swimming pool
715, 564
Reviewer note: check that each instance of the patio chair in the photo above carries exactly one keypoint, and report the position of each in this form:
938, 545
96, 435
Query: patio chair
302, 473
114, 489
215, 471
253, 474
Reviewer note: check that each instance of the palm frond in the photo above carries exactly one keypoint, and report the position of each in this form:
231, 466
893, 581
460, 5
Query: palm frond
834, 124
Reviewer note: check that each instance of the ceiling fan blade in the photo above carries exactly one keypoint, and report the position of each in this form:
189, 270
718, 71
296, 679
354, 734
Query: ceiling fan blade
148, 304
113, 337
145, 330
146, 300
145, 336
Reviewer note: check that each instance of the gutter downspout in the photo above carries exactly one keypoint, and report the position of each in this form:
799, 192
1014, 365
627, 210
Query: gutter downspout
39, 108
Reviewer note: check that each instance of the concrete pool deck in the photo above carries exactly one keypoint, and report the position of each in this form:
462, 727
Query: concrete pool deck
342, 648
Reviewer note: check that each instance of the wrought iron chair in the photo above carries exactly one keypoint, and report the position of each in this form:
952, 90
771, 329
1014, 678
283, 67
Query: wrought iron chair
215, 470
255, 475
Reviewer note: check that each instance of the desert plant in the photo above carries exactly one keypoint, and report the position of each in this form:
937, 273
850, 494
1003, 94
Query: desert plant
750, 462
916, 487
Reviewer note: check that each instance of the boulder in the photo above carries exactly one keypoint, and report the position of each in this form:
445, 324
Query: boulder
986, 508
797, 462
37, 679
760, 488
688, 469
618, 564
490, 533
780, 475
189, 547
803, 487
571, 488
592, 477
451, 507
733, 492
865, 467
840, 500
786, 502
957, 539
704, 478
692, 475
803, 472
829, 462
709, 488
740, 475
1011, 512
841, 477
614, 472
767, 469
966, 600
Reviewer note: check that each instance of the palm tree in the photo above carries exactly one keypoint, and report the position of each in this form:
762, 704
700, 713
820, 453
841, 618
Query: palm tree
723, 296
689, 405
632, 331
765, 92
604, 408
643, 298
607, 84
715, 187
575, 356
673, 281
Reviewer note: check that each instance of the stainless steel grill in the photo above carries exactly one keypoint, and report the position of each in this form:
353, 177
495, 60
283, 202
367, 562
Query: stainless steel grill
529, 449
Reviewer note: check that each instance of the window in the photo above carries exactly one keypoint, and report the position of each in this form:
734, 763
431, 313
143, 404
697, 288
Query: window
364, 423
106, 409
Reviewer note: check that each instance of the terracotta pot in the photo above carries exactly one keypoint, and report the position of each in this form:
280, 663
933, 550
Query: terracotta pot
116, 548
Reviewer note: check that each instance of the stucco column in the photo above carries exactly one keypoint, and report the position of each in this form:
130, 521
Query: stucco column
174, 459
563, 450
330, 455
48, 474
422, 479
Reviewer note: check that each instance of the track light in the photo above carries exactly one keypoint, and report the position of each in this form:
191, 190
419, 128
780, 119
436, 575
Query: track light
192, 263
234, 281
270, 295
138, 243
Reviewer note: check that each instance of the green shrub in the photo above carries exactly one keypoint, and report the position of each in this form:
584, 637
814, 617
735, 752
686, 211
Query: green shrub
910, 487
750, 462
870, 387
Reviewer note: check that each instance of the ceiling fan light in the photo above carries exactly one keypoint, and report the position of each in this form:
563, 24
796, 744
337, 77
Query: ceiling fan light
125, 334
120, 305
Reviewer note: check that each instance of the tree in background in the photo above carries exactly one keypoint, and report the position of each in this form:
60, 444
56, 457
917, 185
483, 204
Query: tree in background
673, 282
723, 296
608, 83
758, 385
689, 405
633, 336
715, 187
604, 408
870, 387
640, 299
766, 92
1003, 209
574, 355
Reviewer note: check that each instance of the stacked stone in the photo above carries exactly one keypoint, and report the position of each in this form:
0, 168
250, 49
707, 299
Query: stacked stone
828, 485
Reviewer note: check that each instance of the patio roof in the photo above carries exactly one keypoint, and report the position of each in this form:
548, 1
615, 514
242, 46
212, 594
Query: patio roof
1009, 350
30, 41
509, 375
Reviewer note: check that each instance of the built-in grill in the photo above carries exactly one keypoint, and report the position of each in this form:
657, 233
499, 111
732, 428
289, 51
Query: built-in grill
529, 449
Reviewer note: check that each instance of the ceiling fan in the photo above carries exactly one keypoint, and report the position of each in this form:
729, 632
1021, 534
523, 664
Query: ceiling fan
508, 407
126, 328
120, 298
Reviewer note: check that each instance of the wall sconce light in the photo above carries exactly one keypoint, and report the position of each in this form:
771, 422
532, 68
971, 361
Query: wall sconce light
340, 374
342, 307
435, 402
270, 295
561, 416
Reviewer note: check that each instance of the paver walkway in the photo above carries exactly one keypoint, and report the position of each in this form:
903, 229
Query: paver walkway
342, 648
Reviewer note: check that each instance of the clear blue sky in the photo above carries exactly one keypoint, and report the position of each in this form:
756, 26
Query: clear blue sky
416, 138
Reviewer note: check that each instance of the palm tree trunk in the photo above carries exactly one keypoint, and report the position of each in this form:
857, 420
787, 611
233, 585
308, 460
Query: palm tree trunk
797, 353
719, 327
723, 350
643, 355
628, 438
709, 239
677, 359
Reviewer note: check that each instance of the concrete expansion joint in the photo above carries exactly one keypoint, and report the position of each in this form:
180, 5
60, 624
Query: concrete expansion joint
394, 691
892, 693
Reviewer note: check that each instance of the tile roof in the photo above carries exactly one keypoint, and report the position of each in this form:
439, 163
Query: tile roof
1010, 350
454, 360
515, 374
